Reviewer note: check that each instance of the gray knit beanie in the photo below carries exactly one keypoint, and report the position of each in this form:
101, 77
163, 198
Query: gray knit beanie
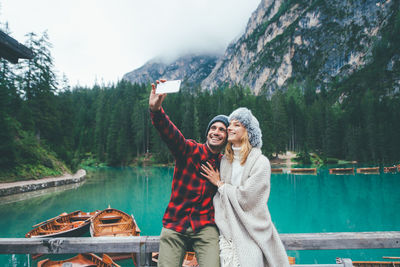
220, 118
246, 118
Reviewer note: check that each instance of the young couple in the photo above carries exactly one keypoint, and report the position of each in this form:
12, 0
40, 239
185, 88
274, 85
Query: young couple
218, 205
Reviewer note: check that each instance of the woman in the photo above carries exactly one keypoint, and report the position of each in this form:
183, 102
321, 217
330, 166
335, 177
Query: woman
247, 234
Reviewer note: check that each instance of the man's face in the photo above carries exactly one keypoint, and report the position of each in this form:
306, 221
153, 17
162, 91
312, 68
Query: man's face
216, 136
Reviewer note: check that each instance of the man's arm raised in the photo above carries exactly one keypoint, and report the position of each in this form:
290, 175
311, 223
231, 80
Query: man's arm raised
169, 133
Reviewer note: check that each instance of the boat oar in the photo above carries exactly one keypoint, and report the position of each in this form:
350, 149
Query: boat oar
36, 256
36, 225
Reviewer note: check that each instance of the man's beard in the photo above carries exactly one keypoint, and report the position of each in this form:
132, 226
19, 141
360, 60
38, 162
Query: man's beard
216, 148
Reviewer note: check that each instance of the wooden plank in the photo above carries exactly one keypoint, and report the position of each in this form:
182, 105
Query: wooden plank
71, 245
148, 244
341, 240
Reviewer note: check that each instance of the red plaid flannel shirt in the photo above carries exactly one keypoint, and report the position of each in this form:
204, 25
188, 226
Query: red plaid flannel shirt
191, 202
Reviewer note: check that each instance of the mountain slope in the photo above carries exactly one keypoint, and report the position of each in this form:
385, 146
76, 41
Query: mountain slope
302, 41
307, 43
191, 68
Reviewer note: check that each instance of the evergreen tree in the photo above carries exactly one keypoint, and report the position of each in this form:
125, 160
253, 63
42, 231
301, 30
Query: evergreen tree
39, 84
294, 109
7, 145
101, 125
369, 123
279, 127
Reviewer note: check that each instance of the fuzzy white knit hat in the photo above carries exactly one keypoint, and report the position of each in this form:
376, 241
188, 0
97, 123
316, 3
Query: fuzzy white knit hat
247, 119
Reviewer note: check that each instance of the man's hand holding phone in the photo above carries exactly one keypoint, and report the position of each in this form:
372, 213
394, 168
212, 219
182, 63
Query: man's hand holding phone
158, 94
168, 87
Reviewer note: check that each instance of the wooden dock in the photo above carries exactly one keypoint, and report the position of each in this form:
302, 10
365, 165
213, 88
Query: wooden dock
276, 170
144, 246
341, 171
370, 170
389, 169
303, 171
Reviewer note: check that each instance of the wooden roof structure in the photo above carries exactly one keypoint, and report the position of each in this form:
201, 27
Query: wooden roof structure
12, 50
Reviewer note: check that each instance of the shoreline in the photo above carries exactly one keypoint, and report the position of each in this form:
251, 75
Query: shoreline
12, 188
284, 159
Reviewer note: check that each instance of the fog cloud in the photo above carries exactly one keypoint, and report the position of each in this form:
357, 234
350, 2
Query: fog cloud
103, 40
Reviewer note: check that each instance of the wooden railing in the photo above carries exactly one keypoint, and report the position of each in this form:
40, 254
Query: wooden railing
143, 246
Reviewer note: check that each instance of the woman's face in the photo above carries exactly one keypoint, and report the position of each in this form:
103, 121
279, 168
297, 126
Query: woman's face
235, 132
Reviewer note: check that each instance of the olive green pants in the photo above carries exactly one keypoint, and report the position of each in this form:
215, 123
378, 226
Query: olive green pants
173, 246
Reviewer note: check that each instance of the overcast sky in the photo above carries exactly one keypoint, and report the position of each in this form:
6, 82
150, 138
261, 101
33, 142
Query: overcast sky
103, 39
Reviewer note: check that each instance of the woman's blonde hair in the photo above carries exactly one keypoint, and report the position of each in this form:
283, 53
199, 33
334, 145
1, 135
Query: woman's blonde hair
244, 152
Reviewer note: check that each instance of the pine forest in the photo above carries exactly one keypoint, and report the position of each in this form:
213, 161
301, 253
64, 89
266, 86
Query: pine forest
48, 127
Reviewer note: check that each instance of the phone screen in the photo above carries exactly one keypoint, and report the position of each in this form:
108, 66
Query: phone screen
168, 87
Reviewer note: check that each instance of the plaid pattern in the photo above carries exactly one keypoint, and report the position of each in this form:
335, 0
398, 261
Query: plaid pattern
191, 202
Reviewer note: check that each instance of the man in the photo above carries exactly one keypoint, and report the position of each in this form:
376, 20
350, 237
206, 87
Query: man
189, 218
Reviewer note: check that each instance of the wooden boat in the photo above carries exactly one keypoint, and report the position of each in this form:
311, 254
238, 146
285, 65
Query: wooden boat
368, 170
66, 224
398, 168
389, 169
85, 259
277, 170
341, 171
189, 260
376, 263
303, 170
113, 222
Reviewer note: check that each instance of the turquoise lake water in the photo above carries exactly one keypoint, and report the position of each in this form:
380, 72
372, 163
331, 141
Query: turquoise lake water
298, 204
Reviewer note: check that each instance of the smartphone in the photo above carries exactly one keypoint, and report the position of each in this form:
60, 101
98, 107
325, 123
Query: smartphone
168, 87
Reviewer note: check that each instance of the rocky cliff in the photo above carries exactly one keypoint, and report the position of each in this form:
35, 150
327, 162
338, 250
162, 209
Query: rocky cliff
314, 42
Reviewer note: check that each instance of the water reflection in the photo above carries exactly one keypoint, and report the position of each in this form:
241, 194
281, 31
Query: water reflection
298, 204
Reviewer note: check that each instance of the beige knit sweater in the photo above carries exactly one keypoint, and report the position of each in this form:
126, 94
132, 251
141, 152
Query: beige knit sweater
242, 215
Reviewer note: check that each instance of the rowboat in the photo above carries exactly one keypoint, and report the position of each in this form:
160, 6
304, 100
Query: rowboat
368, 170
85, 259
189, 260
341, 171
276, 170
66, 224
390, 169
113, 222
304, 170
376, 263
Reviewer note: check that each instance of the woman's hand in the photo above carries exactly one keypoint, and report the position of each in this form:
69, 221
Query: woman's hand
211, 174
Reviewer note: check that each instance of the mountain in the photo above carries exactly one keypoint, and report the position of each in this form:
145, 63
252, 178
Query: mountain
303, 41
193, 69
286, 42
